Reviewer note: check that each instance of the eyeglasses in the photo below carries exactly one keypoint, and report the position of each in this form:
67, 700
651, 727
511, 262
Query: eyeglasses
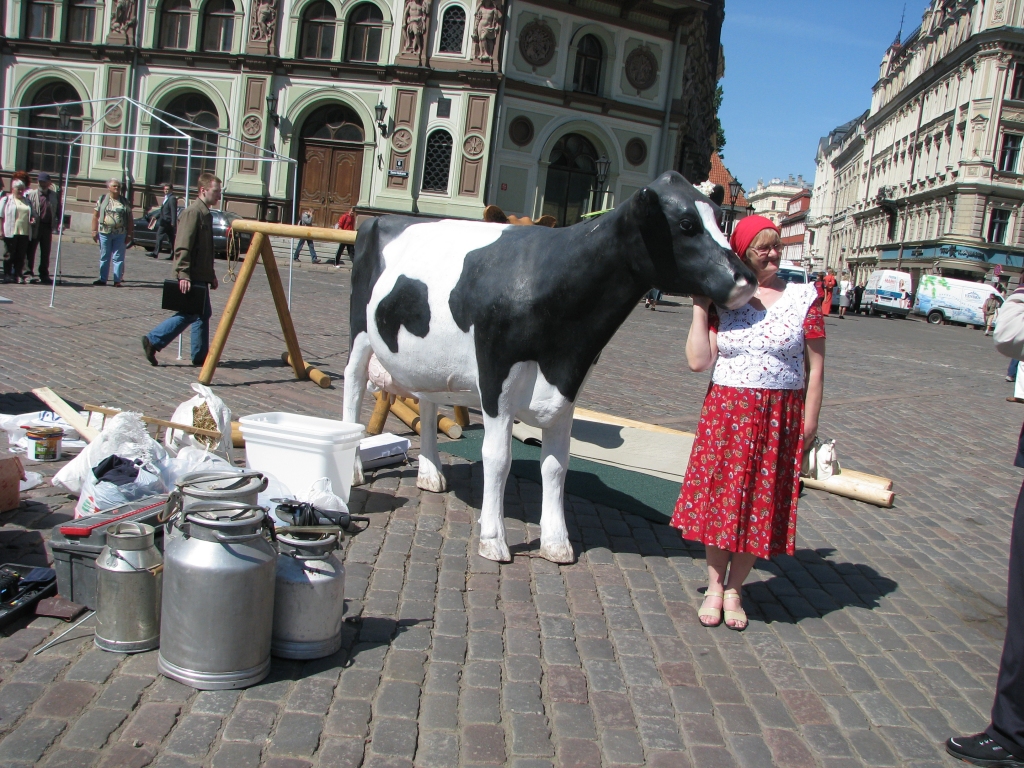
768, 249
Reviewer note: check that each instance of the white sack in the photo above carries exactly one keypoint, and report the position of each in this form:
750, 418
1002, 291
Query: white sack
183, 415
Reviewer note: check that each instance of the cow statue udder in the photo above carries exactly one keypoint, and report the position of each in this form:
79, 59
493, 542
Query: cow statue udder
512, 319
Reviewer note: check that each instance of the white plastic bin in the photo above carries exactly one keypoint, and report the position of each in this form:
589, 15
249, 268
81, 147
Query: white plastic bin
299, 450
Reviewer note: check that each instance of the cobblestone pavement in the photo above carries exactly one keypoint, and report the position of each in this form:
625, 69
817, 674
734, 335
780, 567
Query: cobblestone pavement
878, 640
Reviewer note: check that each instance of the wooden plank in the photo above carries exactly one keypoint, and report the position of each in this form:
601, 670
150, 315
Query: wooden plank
283, 314
227, 318
66, 412
291, 230
172, 425
320, 378
607, 418
380, 414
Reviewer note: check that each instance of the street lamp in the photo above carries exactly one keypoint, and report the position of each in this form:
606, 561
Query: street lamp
272, 109
734, 194
381, 112
603, 164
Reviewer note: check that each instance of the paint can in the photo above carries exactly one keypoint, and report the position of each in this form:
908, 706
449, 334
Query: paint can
44, 443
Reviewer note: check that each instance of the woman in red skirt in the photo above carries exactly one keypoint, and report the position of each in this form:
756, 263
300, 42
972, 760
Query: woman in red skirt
740, 492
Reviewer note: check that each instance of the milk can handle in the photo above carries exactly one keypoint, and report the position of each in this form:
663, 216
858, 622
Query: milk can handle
240, 538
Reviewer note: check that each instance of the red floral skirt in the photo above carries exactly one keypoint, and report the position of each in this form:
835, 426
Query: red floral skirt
743, 480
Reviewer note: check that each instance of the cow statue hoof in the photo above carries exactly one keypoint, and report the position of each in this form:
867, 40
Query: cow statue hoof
558, 552
431, 479
492, 549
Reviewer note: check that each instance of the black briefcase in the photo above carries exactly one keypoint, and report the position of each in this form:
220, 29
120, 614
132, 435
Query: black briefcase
191, 303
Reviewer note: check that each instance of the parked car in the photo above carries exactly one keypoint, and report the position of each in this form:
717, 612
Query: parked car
146, 238
792, 272
886, 293
946, 300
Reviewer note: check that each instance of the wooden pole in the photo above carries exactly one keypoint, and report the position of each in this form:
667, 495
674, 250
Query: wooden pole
281, 302
402, 410
322, 379
461, 416
444, 424
66, 412
380, 414
227, 319
347, 236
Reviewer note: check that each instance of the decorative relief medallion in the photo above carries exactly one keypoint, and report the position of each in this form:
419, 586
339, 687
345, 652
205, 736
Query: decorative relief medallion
473, 146
636, 151
401, 139
520, 131
252, 126
537, 43
641, 68
114, 116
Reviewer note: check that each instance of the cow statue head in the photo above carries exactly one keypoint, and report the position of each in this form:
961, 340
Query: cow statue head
688, 251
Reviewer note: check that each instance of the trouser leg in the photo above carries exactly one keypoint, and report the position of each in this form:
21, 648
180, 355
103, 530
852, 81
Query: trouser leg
201, 334
1011, 369
1007, 727
118, 257
105, 248
45, 242
30, 255
20, 250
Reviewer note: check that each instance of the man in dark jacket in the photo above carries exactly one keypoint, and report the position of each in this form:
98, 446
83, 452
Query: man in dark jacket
46, 211
167, 222
193, 248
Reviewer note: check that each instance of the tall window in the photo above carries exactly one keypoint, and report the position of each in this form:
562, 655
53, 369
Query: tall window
39, 19
572, 175
1010, 152
437, 162
453, 29
174, 24
195, 115
1017, 91
219, 26
587, 76
318, 24
365, 31
82, 22
998, 224
48, 151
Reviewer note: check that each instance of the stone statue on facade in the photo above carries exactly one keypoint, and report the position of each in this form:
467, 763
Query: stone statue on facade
122, 21
486, 26
414, 27
264, 22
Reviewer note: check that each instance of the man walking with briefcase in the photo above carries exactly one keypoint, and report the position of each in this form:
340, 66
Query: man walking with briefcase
193, 249
166, 222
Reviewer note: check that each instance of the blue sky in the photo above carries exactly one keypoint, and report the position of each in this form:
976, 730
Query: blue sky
794, 70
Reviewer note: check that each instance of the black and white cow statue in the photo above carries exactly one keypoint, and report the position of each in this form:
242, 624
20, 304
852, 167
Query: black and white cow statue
512, 320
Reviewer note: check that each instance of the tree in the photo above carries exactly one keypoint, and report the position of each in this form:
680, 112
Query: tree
719, 130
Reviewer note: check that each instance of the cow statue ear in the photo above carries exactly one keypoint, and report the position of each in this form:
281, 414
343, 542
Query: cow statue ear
646, 203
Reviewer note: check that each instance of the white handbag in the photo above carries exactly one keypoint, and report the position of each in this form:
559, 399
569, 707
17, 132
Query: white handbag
821, 461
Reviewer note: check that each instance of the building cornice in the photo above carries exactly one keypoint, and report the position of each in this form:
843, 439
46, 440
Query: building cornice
597, 104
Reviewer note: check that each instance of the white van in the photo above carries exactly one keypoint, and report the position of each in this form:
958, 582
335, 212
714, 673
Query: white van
887, 293
943, 299
792, 272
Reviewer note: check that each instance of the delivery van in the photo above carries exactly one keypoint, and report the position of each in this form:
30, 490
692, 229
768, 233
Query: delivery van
888, 293
943, 299
792, 272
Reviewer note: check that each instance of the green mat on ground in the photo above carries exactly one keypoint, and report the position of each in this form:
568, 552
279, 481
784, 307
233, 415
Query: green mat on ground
644, 495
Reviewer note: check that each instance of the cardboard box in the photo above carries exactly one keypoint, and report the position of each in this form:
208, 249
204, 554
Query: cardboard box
11, 475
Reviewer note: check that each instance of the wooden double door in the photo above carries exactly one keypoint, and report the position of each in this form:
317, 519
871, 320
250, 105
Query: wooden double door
329, 183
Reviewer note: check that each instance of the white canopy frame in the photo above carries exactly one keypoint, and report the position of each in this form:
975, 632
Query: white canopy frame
92, 138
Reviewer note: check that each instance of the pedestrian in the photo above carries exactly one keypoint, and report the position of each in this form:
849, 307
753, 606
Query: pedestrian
16, 214
306, 220
828, 285
858, 297
652, 298
346, 221
113, 229
193, 248
1011, 370
166, 223
45, 203
739, 496
990, 308
1002, 743
845, 300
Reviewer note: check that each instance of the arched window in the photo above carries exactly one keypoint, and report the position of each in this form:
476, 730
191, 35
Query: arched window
39, 19
318, 24
195, 115
437, 162
572, 174
335, 122
366, 29
587, 76
174, 24
453, 29
82, 22
219, 26
48, 151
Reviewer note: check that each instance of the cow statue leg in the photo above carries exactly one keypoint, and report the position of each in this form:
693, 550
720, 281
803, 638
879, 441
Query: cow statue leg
554, 464
497, 457
430, 476
355, 386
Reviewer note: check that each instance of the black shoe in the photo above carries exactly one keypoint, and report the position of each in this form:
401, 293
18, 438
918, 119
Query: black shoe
147, 347
153, 255
981, 749
315, 261
199, 364
45, 280
99, 282
170, 258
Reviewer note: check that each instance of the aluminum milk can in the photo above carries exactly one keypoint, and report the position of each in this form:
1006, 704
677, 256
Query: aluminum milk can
309, 599
218, 605
217, 485
128, 585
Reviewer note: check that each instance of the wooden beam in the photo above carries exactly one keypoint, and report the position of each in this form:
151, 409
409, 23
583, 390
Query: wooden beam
66, 412
283, 314
380, 414
299, 233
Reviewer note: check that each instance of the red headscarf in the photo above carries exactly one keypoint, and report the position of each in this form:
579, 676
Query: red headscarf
746, 230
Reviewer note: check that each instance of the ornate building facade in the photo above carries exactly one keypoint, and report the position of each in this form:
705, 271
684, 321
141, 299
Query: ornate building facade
771, 200
482, 101
931, 179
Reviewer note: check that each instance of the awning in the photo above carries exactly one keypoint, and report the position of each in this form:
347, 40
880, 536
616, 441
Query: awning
963, 265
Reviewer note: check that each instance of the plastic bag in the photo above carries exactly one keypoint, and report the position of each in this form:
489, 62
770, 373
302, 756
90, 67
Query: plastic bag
184, 414
821, 461
190, 459
125, 435
99, 495
18, 443
321, 495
